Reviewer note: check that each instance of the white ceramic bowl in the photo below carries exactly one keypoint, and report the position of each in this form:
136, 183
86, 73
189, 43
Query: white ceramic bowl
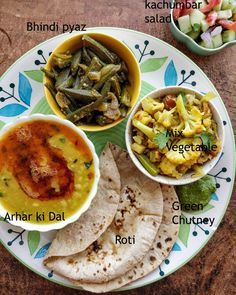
187, 178
60, 224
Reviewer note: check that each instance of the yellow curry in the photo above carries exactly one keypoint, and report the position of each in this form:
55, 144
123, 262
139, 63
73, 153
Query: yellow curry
44, 167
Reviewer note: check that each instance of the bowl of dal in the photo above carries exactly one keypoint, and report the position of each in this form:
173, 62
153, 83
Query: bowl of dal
49, 172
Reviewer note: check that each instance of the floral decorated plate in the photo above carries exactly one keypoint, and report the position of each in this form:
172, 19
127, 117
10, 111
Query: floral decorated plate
21, 93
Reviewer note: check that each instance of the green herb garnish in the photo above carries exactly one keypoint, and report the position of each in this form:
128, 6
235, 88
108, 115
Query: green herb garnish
88, 164
1, 194
207, 139
62, 139
161, 139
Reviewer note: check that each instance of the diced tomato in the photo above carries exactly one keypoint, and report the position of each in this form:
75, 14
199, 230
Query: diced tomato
176, 13
211, 18
169, 101
227, 24
187, 11
210, 6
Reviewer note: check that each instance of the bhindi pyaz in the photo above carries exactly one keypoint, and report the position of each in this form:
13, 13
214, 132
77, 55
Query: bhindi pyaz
90, 85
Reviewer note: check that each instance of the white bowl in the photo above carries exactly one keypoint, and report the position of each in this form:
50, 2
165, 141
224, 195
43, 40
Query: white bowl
60, 224
187, 178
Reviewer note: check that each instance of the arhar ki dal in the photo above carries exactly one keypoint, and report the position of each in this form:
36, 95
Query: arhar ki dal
175, 134
44, 167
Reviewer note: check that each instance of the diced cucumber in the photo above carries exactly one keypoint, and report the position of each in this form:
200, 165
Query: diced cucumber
217, 41
205, 44
184, 24
204, 25
196, 17
224, 14
228, 36
218, 7
194, 34
225, 4
228, 4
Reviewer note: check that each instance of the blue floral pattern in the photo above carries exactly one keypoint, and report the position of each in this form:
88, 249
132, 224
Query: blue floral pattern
23, 99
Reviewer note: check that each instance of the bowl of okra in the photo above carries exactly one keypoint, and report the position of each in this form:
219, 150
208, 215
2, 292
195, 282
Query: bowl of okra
93, 80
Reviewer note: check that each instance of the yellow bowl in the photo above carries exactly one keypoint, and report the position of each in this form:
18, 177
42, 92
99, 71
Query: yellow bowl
75, 43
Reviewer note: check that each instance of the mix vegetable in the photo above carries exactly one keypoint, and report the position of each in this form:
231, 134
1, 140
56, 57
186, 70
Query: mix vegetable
211, 25
90, 85
175, 134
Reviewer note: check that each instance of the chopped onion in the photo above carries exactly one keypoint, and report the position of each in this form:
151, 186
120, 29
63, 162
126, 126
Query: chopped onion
206, 36
216, 31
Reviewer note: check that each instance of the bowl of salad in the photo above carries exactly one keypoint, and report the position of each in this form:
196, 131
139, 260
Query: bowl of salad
206, 29
175, 135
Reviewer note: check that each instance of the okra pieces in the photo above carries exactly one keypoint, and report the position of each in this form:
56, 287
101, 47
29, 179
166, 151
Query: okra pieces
82, 95
75, 62
125, 97
63, 102
48, 73
107, 73
104, 54
85, 110
90, 85
62, 60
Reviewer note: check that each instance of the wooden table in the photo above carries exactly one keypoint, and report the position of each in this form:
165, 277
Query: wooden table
213, 270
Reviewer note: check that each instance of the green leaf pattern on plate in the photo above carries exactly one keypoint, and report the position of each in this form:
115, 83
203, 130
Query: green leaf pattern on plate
35, 75
42, 107
145, 89
152, 64
184, 230
33, 241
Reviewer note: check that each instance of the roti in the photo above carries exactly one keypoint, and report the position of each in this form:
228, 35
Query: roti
162, 245
77, 236
138, 216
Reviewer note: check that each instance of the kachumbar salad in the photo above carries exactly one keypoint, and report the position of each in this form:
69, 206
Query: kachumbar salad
175, 134
210, 26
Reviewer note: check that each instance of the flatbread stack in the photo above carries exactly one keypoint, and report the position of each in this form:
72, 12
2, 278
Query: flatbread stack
124, 235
